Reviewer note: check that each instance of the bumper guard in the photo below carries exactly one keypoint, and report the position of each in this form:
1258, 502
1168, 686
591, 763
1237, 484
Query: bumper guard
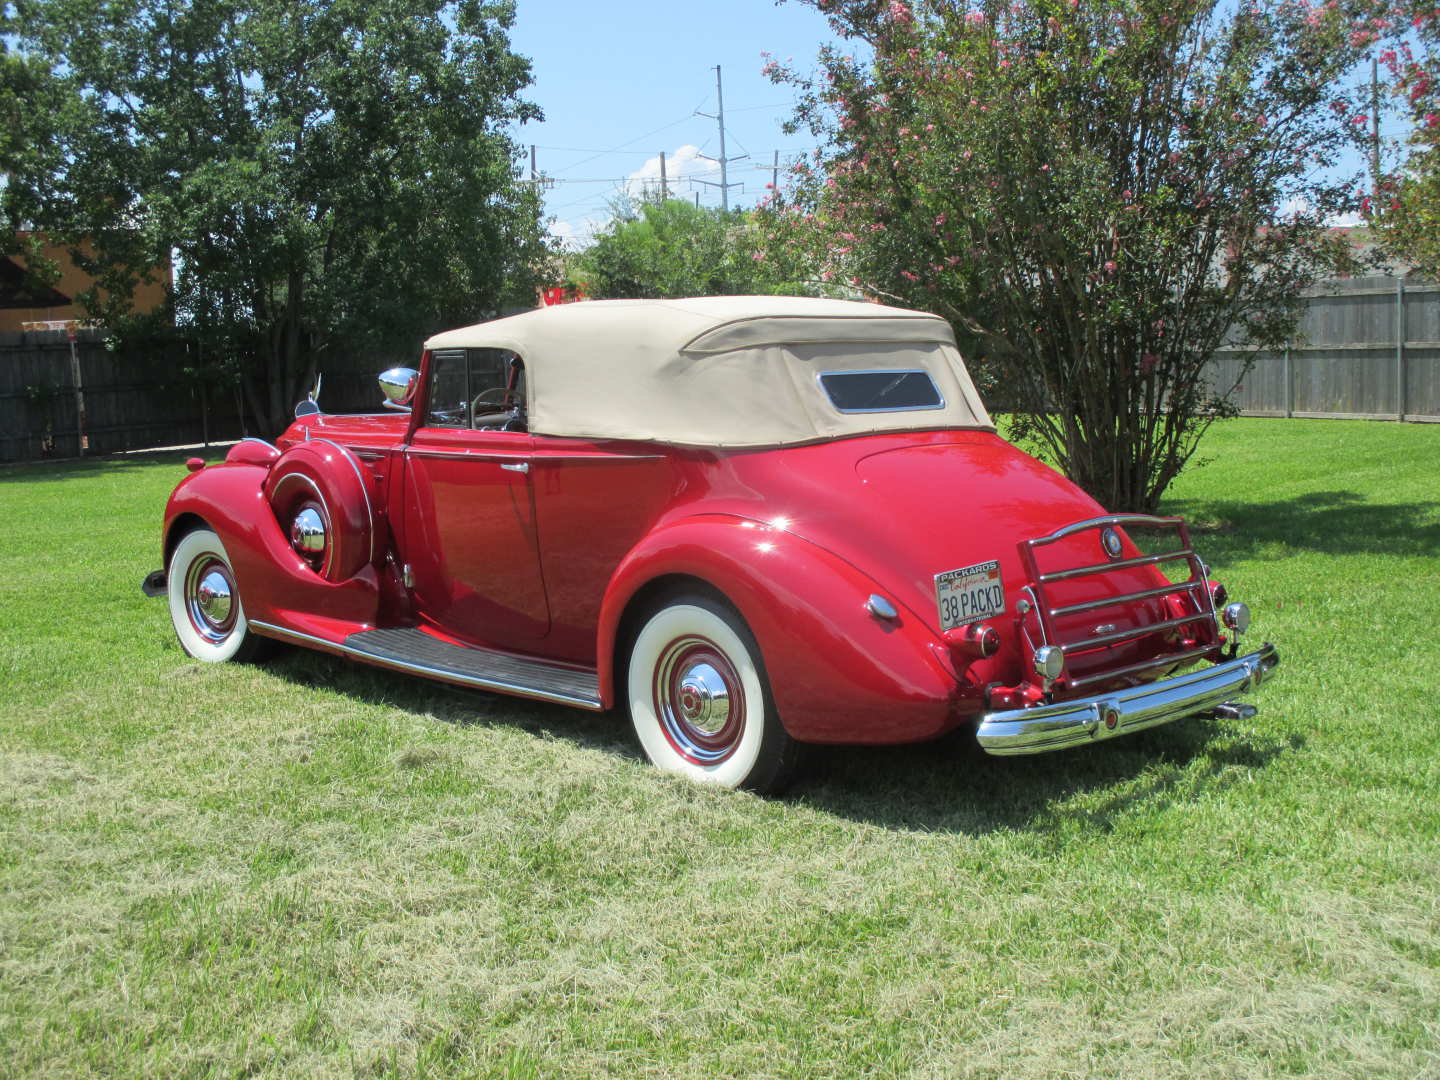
1042, 728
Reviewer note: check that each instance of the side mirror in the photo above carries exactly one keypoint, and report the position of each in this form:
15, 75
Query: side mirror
398, 385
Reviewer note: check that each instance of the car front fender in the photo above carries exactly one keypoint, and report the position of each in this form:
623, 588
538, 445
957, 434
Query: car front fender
276, 584
837, 672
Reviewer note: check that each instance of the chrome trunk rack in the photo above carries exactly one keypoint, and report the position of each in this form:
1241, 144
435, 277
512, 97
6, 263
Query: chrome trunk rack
1196, 587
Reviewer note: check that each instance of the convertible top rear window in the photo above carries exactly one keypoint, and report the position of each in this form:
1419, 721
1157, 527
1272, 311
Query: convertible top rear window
881, 391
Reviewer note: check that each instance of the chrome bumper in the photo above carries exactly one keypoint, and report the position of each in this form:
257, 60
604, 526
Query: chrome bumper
1043, 728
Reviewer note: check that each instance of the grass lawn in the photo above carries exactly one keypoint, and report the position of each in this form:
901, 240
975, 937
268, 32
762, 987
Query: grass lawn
310, 868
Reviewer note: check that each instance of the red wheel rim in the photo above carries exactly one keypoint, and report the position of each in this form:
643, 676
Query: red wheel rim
699, 700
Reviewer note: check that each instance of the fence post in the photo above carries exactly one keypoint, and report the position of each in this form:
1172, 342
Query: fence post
1289, 384
82, 441
1400, 372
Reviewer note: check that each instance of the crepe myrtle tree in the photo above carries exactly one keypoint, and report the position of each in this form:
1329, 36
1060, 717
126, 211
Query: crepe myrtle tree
1095, 192
322, 176
1405, 206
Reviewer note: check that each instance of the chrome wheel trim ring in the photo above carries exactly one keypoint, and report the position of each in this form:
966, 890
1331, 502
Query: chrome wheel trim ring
699, 700
210, 598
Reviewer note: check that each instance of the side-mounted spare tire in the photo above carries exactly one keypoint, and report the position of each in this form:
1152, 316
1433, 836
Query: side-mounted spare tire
319, 495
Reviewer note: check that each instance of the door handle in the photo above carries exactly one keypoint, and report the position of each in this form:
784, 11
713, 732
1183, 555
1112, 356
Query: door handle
520, 467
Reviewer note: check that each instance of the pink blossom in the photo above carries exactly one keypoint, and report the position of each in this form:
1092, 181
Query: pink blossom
1431, 119
900, 13
1111, 266
1127, 195
758, 256
975, 18
908, 276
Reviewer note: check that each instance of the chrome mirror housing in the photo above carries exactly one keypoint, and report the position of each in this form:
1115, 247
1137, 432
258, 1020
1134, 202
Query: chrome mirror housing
398, 385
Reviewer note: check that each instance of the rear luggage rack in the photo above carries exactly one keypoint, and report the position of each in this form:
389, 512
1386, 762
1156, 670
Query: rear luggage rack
1197, 587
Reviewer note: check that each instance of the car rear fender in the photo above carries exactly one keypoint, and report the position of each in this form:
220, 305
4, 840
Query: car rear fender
838, 673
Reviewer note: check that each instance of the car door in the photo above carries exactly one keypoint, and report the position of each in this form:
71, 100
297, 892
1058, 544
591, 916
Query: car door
469, 539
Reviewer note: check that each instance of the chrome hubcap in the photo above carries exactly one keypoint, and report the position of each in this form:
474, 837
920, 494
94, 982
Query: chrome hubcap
213, 597
307, 532
210, 599
699, 700
704, 698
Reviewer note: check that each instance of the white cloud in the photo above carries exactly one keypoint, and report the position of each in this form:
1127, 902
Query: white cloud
576, 235
686, 162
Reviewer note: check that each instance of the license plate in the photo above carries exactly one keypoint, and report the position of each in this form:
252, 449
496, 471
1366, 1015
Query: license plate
975, 592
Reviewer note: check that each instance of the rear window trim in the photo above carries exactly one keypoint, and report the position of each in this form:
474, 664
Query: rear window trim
939, 394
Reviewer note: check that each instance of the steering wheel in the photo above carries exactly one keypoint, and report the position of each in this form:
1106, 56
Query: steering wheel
496, 396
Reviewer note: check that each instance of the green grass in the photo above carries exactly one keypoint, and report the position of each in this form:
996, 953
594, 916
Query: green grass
310, 868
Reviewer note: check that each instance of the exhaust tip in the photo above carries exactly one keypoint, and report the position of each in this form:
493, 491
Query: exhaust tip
1234, 710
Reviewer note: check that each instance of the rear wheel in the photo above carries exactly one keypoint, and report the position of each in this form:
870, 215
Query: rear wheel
699, 700
205, 601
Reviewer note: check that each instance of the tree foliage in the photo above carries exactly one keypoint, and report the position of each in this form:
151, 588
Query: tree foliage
1095, 193
327, 175
1406, 209
657, 247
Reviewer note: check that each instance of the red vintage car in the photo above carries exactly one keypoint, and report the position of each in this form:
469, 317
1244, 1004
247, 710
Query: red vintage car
752, 522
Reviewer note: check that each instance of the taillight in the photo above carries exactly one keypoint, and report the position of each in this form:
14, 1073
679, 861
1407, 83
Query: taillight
976, 641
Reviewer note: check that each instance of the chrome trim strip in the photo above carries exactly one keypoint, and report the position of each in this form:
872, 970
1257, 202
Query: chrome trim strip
1044, 728
541, 457
1118, 564
1125, 598
364, 490
1108, 519
469, 455
473, 681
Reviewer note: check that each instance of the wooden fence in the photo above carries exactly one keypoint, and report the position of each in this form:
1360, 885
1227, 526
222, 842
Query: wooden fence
1368, 348
134, 399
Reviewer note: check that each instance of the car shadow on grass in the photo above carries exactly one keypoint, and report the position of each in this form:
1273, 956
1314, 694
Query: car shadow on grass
948, 785
952, 786
1329, 522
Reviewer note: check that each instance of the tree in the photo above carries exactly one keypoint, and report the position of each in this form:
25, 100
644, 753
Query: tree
660, 247
327, 175
31, 101
1405, 211
1095, 193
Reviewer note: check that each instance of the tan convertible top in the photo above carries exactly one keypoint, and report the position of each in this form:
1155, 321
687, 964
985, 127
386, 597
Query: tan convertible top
735, 371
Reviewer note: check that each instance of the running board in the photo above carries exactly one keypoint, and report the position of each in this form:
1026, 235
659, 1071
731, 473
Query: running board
412, 650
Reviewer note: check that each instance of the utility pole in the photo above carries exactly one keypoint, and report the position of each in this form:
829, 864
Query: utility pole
664, 189
775, 172
534, 173
724, 161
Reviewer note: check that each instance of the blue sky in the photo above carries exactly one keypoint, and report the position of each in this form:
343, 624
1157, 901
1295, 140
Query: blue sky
622, 80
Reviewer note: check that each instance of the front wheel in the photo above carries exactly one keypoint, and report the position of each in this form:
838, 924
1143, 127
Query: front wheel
205, 601
699, 700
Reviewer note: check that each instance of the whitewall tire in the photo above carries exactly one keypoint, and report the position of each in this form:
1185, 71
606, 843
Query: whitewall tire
699, 700
205, 602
